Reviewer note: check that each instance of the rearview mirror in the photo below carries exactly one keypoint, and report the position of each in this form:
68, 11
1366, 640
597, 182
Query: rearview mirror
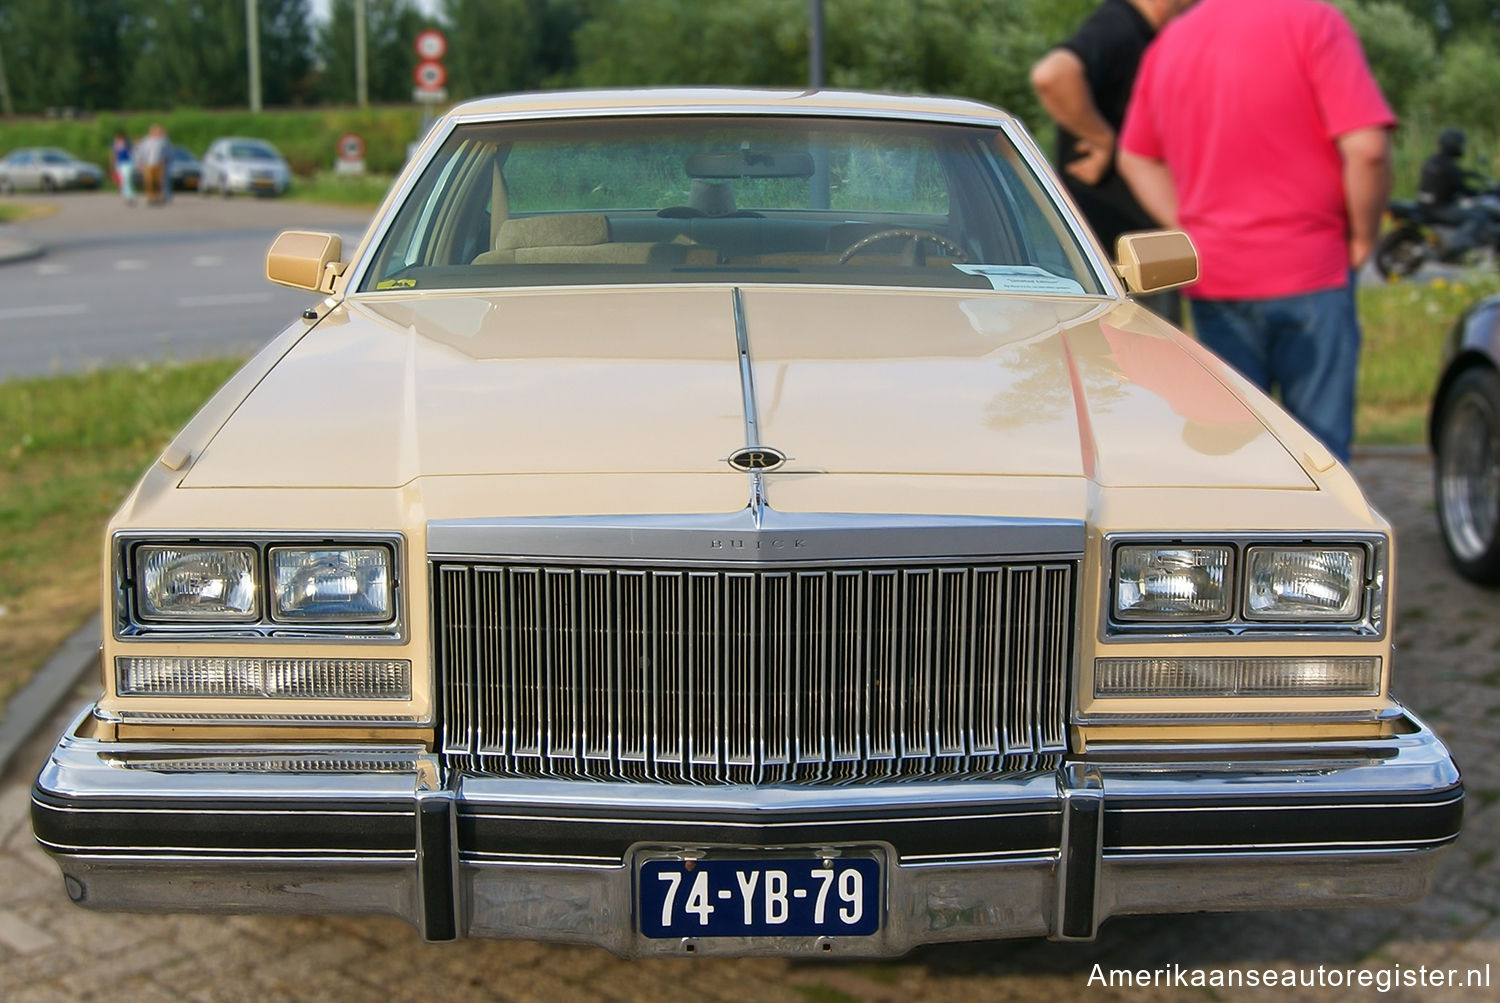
1155, 260
748, 163
305, 260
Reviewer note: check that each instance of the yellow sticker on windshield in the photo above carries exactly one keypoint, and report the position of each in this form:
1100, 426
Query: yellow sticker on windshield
396, 284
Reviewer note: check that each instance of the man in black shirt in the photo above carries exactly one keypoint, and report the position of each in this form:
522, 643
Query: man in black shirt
1444, 186
1084, 84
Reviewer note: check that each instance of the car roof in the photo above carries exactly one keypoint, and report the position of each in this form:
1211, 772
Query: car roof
727, 100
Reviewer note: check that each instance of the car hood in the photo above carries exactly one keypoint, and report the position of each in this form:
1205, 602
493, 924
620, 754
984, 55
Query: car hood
651, 381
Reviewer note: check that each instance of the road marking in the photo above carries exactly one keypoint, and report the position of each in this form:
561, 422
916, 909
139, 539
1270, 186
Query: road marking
226, 299
52, 268
207, 261
55, 310
130, 265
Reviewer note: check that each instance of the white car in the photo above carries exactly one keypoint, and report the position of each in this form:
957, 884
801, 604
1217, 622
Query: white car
235, 164
47, 168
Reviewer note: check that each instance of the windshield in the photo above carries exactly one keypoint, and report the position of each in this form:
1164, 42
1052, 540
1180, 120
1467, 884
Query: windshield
744, 199
251, 151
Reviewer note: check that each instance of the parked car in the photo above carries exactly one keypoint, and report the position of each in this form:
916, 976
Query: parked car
1464, 432
742, 522
234, 164
48, 169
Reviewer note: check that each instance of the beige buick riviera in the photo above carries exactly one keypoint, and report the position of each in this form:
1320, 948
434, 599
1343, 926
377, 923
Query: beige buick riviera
742, 523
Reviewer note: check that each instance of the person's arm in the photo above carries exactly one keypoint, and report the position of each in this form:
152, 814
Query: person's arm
1152, 185
1062, 86
1367, 186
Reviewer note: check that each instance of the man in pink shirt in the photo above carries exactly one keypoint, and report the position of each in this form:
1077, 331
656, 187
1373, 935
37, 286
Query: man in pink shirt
1258, 128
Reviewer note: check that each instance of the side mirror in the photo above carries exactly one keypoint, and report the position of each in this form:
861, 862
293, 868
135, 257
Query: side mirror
305, 260
1155, 260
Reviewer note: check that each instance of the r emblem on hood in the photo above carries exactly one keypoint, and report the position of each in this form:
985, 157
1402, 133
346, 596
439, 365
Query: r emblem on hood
757, 458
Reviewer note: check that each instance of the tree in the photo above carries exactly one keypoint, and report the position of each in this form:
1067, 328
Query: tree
971, 48
286, 43
1400, 47
1451, 19
190, 52
391, 28
508, 45
42, 62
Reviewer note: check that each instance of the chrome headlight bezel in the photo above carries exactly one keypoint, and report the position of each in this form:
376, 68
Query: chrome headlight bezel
1367, 622
130, 623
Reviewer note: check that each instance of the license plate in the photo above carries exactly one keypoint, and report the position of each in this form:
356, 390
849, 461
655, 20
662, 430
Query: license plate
767, 897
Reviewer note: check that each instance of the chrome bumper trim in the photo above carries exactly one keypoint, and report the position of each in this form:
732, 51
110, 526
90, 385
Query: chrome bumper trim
1103, 836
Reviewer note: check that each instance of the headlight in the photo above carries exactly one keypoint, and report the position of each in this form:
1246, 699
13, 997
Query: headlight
1304, 583
197, 583
1172, 583
351, 584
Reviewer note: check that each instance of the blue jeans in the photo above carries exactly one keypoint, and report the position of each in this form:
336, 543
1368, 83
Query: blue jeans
1306, 346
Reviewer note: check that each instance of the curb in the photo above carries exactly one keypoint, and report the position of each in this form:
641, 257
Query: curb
35, 703
16, 249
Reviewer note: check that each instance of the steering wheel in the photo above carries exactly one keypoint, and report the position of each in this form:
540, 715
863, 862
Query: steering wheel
914, 238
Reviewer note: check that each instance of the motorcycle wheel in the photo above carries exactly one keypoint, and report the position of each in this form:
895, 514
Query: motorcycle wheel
1468, 474
1400, 252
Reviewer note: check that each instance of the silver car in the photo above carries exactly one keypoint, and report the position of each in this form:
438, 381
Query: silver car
48, 169
235, 164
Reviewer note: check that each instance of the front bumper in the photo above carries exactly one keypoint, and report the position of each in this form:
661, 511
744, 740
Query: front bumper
1127, 829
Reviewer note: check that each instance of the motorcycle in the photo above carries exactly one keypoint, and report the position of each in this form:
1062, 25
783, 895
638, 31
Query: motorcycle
1421, 236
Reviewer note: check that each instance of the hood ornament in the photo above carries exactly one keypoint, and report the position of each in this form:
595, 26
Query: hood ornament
756, 458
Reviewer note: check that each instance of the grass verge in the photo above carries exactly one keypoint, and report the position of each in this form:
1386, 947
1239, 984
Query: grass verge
70, 448
1404, 327
20, 212
331, 188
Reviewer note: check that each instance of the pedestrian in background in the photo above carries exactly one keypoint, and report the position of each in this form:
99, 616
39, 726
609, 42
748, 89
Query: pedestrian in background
120, 154
152, 152
1259, 129
1084, 84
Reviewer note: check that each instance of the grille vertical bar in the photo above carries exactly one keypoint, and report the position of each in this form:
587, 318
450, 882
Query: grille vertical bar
803, 675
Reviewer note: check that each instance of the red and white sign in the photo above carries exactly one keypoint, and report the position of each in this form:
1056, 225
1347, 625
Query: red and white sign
351, 147
430, 75
432, 44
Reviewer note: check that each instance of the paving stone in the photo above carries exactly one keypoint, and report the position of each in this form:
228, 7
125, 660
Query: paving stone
35, 993
23, 938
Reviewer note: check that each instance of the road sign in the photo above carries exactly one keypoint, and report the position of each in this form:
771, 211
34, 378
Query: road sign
430, 75
432, 44
351, 147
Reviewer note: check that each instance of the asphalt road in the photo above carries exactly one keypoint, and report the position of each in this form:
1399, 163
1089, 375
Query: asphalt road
121, 284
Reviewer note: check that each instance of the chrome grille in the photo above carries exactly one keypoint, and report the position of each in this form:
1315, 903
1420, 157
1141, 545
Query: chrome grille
760, 676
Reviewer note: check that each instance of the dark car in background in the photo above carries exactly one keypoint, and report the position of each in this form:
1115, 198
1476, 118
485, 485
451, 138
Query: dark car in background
183, 171
1464, 432
48, 169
